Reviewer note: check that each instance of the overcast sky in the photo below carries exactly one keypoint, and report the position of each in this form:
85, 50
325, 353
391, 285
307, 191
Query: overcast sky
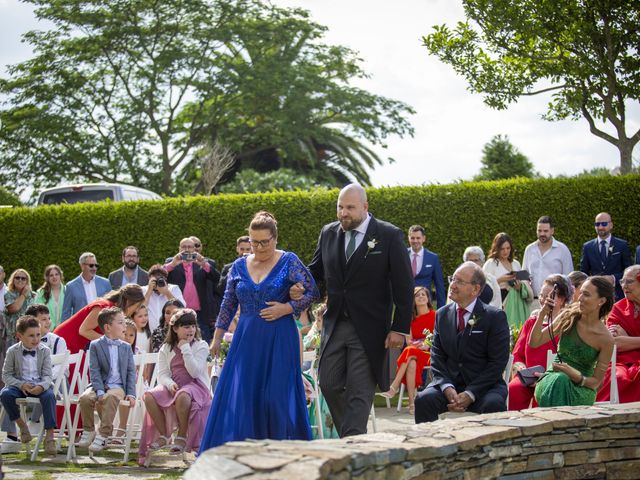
452, 125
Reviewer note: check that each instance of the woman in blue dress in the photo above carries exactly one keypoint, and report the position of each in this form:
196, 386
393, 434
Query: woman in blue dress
260, 392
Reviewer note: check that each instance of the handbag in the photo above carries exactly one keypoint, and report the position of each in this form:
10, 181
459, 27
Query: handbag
527, 375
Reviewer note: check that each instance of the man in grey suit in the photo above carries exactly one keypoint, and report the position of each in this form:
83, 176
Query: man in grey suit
364, 266
130, 272
85, 288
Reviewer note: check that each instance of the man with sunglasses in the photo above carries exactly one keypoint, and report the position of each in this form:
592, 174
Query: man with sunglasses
85, 288
606, 254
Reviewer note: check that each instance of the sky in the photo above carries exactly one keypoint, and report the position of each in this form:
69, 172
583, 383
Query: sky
451, 124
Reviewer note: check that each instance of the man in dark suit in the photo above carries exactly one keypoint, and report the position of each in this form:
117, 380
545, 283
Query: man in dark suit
425, 265
243, 247
469, 353
638, 255
606, 254
130, 271
191, 271
365, 269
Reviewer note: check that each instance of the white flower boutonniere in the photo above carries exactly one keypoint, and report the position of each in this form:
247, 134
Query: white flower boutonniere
371, 244
472, 322
611, 249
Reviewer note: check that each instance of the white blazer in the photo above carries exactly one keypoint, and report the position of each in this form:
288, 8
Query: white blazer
195, 361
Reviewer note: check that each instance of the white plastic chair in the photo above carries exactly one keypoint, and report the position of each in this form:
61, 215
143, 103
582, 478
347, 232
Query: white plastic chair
311, 357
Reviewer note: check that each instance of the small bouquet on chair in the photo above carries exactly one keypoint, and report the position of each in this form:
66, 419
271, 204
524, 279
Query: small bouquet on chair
528, 376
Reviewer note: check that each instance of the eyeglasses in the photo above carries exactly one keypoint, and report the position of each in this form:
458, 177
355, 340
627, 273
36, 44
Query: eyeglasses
453, 279
600, 224
623, 282
22, 279
92, 265
261, 243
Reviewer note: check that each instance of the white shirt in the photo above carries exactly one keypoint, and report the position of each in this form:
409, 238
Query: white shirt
607, 243
134, 277
30, 366
53, 341
90, 289
361, 231
157, 301
142, 342
419, 258
113, 379
555, 260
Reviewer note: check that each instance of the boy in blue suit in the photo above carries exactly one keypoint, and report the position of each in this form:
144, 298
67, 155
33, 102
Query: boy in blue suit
113, 377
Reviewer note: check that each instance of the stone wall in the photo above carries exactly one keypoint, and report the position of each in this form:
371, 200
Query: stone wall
560, 443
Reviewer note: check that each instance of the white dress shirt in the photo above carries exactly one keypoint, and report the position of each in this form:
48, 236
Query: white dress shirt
555, 260
419, 259
361, 231
157, 301
90, 289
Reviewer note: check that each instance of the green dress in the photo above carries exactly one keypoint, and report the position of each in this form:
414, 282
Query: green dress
556, 389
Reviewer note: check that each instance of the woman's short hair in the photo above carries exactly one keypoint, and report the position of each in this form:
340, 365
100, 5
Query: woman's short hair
473, 250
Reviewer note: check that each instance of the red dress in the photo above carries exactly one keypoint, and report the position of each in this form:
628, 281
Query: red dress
69, 329
418, 325
520, 396
627, 363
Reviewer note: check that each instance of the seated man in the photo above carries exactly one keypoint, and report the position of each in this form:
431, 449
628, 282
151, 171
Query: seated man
624, 325
469, 353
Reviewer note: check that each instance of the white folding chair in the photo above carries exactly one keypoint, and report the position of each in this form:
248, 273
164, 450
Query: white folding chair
311, 357
59, 359
613, 388
506, 376
79, 383
401, 394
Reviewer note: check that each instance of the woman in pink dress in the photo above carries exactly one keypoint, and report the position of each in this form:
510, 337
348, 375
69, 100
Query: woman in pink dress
182, 398
415, 356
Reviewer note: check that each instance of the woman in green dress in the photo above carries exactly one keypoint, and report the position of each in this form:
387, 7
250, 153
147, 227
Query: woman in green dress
584, 349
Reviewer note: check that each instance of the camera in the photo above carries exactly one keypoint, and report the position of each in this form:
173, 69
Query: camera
161, 282
187, 257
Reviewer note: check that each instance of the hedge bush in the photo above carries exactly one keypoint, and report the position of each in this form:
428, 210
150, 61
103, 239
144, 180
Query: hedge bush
455, 216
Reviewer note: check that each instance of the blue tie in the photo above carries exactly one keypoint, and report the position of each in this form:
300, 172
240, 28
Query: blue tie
29, 352
603, 250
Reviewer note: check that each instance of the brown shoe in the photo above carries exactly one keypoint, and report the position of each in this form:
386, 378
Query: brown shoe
50, 447
25, 436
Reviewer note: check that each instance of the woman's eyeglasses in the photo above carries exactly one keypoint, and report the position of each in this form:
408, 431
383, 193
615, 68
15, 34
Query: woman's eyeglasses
261, 243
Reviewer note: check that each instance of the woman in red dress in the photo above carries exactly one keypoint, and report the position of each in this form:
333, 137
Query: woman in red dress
415, 356
79, 329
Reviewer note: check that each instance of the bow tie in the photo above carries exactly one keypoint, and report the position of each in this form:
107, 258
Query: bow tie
43, 339
29, 352
111, 343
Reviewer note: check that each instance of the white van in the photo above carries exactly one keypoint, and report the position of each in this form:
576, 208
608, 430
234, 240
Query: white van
94, 192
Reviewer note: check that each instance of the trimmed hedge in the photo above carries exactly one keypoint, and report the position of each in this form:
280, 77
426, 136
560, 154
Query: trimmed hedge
455, 216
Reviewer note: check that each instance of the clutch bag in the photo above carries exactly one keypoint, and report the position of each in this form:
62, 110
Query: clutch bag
527, 377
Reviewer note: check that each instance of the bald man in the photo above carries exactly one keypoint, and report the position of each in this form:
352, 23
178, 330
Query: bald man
606, 254
365, 269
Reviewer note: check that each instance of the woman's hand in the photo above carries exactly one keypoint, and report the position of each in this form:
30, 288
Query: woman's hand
518, 366
173, 388
275, 310
617, 331
214, 348
570, 372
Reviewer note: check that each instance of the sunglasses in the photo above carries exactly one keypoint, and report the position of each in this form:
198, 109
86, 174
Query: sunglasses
197, 245
600, 224
92, 265
24, 279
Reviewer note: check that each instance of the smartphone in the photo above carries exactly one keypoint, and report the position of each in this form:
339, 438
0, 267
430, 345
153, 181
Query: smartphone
552, 295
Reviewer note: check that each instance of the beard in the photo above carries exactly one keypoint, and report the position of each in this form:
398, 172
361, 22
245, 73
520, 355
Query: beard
131, 264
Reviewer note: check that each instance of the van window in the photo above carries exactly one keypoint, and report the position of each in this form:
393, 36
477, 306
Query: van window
77, 196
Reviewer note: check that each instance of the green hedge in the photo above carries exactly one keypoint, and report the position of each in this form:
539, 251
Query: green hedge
455, 216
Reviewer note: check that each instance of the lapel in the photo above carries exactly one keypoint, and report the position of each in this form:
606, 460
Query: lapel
336, 236
477, 312
359, 255
18, 361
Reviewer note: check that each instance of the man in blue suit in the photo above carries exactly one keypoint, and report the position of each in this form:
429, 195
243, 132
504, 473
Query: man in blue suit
85, 288
425, 265
638, 254
606, 254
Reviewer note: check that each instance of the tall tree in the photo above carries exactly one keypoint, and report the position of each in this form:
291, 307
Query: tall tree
128, 90
500, 159
583, 51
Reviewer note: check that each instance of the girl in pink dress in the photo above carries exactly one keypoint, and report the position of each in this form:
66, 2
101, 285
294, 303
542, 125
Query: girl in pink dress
182, 397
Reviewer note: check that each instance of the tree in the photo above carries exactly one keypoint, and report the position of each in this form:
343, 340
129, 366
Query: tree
215, 161
9, 198
584, 52
130, 90
500, 159
284, 179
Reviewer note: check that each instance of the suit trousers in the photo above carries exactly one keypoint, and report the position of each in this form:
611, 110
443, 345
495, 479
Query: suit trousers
107, 409
9, 395
205, 326
431, 402
346, 380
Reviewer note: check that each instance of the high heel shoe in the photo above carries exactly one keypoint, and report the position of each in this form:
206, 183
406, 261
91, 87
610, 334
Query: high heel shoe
178, 448
390, 393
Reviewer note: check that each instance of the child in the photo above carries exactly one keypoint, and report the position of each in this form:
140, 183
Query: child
130, 334
113, 377
143, 334
123, 410
27, 373
182, 396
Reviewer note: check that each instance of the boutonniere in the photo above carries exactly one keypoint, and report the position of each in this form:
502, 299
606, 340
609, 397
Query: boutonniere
611, 249
428, 338
472, 322
371, 244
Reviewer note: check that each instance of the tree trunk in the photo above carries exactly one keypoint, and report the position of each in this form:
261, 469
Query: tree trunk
626, 149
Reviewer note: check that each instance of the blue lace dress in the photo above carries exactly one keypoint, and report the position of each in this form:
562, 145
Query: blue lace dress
260, 392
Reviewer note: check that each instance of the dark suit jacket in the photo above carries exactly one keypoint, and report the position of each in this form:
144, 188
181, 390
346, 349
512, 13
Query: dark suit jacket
205, 284
431, 272
366, 288
474, 359
618, 258
100, 366
115, 278
638, 254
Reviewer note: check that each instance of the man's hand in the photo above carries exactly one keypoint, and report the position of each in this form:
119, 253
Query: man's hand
462, 402
394, 340
176, 259
26, 388
450, 394
200, 260
296, 291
